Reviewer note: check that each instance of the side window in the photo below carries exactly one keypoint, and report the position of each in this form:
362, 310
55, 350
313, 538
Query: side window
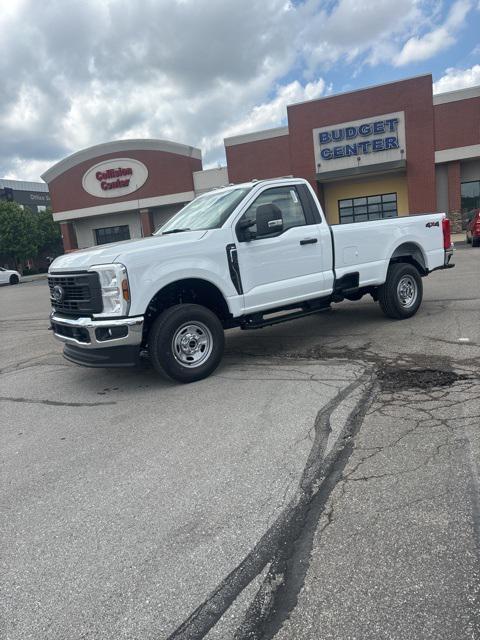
286, 199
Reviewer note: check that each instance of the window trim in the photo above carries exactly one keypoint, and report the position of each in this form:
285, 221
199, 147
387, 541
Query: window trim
371, 195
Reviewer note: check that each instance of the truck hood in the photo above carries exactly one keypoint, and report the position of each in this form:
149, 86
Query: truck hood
119, 251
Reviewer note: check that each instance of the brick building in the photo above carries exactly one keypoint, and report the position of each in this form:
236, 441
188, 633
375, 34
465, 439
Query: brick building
394, 149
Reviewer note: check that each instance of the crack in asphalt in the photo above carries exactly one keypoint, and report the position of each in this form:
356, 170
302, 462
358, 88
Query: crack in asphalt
318, 479
54, 403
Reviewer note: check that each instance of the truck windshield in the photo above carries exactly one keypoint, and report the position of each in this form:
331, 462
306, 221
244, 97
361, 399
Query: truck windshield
207, 212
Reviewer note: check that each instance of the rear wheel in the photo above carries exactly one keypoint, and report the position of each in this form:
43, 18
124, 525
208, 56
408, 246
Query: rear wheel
475, 241
186, 342
13, 279
401, 295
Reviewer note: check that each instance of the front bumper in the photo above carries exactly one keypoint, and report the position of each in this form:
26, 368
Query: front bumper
99, 343
97, 334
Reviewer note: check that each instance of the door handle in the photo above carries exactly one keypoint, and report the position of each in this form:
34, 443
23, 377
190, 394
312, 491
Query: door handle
309, 241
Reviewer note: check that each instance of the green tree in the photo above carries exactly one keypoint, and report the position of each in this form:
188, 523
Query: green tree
49, 236
19, 233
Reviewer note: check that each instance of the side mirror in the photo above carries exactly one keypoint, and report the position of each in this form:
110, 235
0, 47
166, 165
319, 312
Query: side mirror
243, 229
269, 219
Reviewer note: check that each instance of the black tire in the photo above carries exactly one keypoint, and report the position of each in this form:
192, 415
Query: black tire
474, 242
14, 279
402, 278
176, 338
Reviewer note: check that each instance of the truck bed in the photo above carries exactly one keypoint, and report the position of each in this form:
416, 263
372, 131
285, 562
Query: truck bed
366, 247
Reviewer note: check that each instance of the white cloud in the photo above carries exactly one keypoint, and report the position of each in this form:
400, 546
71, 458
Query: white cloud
26, 169
424, 47
457, 79
183, 70
353, 29
271, 113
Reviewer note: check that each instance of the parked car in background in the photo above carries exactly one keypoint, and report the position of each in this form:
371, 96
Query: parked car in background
473, 229
9, 276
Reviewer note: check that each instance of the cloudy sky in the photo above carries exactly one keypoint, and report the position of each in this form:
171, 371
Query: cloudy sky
79, 72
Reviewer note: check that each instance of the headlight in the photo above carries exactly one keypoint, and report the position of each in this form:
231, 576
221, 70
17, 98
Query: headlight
115, 289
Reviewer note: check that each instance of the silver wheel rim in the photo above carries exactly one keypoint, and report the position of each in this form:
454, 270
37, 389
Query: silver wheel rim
407, 291
192, 344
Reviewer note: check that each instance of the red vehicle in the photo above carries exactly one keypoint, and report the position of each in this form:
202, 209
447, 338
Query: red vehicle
473, 229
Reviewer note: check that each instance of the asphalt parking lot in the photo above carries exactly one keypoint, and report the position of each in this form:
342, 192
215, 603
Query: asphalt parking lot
323, 483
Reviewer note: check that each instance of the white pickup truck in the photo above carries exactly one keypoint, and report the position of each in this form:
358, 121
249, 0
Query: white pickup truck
248, 256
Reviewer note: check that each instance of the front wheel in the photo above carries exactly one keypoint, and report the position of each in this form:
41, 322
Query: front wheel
401, 295
186, 342
13, 279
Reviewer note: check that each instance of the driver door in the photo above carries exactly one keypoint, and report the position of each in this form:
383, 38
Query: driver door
286, 265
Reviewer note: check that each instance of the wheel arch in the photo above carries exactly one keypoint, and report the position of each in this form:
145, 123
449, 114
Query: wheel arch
188, 290
411, 253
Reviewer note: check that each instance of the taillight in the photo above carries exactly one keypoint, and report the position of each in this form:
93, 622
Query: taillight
447, 237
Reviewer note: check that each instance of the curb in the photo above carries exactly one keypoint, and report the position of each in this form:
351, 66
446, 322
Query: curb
37, 276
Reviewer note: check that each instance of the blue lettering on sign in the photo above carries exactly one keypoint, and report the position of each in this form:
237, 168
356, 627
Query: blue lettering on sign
364, 130
391, 143
324, 137
350, 150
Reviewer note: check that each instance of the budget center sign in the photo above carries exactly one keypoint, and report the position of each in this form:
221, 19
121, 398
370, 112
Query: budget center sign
360, 142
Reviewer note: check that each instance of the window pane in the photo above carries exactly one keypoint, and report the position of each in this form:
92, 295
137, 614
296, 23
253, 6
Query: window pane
389, 197
360, 210
112, 234
374, 208
361, 218
344, 203
358, 201
470, 192
375, 216
286, 199
346, 219
389, 206
374, 199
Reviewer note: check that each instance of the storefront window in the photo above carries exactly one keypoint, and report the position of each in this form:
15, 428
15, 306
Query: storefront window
368, 208
470, 192
112, 234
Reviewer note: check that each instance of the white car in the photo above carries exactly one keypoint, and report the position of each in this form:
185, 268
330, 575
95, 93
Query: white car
9, 276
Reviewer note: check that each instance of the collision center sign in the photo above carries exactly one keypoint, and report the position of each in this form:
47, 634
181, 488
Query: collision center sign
115, 178
360, 142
